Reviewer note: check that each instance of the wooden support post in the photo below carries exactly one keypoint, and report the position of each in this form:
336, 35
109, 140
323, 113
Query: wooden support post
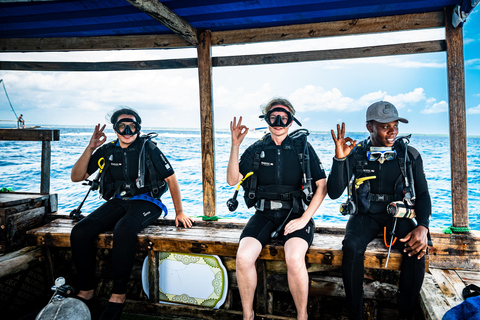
204, 49
458, 127
261, 293
49, 266
153, 277
45, 171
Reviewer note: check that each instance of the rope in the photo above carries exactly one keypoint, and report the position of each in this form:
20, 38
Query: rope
452, 229
212, 218
1, 80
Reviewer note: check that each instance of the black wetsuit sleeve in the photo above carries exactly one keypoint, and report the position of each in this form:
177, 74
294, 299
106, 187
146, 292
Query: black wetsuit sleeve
316, 168
246, 160
337, 179
423, 203
93, 162
162, 165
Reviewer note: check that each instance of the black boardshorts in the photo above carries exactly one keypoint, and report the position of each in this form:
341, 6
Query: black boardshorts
263, 223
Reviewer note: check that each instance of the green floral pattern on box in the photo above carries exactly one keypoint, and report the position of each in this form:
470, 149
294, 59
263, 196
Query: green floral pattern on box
218, 283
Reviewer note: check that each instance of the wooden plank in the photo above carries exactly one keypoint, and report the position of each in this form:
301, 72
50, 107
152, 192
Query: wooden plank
10, 199
204, 51
455, 251
333, 28
326, 249
30, 134
99, 66
92, 43
291, 32
457, 116
153, 276
333, 286
20, 260
168, 18
432, 301
245, 60
450, 284
469, 277
45, 167
261, 293
333, 54
140, 307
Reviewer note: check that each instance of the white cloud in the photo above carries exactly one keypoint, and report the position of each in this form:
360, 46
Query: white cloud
312, 98
437, 107
474, 110
472, 63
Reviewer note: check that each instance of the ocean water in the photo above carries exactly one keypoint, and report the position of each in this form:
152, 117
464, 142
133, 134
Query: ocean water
20, 169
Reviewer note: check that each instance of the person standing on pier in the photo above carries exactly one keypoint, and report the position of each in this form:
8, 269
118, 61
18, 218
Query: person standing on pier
20, 122
282, 175
382, 174
134, 174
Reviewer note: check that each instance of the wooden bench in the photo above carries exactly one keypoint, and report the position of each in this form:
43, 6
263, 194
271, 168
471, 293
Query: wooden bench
221, 238
218, 239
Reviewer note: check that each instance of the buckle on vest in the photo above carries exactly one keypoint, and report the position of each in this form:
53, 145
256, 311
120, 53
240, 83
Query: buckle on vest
275, 204
380, 197
260, 206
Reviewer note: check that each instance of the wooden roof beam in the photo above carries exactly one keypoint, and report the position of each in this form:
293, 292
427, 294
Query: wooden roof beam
292, 32
256, 59
168, 18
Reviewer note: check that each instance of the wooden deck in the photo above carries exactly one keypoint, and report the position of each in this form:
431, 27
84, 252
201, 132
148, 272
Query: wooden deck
442, 290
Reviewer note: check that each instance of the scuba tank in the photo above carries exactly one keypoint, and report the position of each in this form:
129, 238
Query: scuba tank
62, 307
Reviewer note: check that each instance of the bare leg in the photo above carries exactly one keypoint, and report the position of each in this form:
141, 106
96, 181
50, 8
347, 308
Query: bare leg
248, 252
117, 298
86, 295
295, 250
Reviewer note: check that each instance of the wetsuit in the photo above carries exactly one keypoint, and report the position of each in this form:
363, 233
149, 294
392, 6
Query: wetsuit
363, 227
279, 167
125, 217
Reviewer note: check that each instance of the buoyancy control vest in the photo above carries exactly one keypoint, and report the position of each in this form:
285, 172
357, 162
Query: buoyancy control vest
404, 184
283, 196
110, 187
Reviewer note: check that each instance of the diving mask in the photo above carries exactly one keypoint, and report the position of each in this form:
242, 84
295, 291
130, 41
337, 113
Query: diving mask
279, 120
127, 127
381, 154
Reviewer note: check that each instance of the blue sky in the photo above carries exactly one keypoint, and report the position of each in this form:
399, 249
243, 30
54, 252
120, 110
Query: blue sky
324, 93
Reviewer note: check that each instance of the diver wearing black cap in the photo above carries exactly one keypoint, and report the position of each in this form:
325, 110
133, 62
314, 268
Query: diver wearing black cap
133, 175
382, 173
283, 210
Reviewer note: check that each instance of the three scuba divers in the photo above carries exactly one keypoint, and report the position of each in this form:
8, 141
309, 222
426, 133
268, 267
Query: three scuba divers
133, 175
387, 187
286, 183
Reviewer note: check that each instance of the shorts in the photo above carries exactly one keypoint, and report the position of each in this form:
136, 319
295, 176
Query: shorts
263, 223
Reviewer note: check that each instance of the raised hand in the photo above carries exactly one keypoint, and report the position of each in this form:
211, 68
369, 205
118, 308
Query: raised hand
238, 130
343, 146
98, 137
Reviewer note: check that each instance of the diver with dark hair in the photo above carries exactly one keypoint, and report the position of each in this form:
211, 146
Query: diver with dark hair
387, 192
284, 180
133, 175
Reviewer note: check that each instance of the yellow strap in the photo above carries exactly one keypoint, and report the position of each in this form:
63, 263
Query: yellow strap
359, 181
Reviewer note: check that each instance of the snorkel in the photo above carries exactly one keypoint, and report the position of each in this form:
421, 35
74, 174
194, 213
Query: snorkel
277, 121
